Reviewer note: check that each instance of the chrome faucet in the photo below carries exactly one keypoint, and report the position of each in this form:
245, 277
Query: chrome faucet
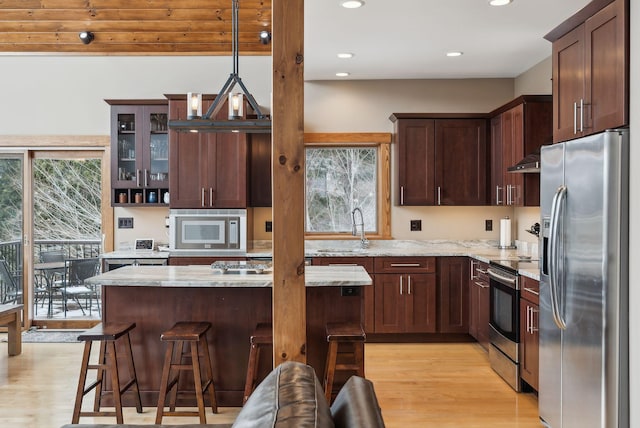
364, 242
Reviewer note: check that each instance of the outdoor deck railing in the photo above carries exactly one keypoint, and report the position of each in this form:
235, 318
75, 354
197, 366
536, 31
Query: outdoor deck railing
11, 252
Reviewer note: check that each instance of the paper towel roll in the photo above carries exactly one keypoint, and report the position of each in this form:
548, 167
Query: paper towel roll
505, 232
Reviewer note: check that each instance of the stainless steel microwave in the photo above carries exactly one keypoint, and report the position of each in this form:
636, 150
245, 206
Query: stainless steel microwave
201, 229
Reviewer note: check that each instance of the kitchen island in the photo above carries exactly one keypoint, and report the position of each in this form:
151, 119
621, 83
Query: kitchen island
155, 297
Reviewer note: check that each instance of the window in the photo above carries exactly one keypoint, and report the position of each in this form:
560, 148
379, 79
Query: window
344, 172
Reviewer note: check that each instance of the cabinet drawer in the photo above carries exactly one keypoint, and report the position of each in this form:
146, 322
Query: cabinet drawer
365, 262
479, 271
530, 289
405, 264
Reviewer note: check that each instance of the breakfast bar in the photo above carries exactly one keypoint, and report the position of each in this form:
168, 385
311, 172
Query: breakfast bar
155, 297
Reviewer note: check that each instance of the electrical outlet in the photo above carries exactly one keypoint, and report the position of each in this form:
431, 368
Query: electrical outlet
268, 226
416, 225
349, 291
125, 222
488, 225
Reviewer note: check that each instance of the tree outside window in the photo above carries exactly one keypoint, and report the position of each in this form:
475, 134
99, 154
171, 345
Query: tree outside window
339, 179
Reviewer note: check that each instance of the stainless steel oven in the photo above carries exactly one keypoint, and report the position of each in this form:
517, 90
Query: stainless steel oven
504, 322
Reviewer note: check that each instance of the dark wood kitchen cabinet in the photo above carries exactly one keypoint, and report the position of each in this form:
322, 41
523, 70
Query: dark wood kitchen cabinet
368, 298
260, 170
479, 302
440, 161
405, 295
591, 70
518, 129
139, 152
207, 170
529, 336
453, 295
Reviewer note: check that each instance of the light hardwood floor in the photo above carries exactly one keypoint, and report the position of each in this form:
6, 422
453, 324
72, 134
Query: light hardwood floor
418, 385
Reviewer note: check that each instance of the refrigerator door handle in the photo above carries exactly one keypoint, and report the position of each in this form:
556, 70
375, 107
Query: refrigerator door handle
553, 255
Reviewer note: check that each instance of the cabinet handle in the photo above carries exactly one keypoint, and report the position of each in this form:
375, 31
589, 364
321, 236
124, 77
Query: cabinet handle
473, 269
401, 286
202, 198
575, 118
137, 178
532, 291
439, 199
581, 115
527, 323
534, 328
146, 178
409, 284
484, 271
481, 285
211, 197
498, 191
405, 265
401, 195
508, 194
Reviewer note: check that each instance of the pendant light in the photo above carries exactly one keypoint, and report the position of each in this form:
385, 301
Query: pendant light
196, 122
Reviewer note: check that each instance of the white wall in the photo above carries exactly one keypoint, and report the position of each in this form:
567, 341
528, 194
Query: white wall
63, 95
535, 81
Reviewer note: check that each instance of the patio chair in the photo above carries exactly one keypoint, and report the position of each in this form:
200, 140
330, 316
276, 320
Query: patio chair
76, 271
40, 290
10, 291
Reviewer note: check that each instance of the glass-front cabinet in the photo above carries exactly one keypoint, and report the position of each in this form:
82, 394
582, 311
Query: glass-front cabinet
139, 152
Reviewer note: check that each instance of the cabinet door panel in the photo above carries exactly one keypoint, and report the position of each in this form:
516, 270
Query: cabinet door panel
497, 190
461, 162
260, 170
420, 303
605, 73
568, 82
415, 159
529, 349
185, 153
453, 289
227, 170
389, 304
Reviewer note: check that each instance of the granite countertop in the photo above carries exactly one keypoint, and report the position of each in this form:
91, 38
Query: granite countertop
204, 276
482, 250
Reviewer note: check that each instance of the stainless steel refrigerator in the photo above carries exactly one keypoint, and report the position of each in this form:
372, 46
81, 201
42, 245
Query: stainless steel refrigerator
584, 310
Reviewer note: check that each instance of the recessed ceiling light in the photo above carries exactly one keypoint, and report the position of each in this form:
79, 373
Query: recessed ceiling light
454, 53
345, 55
342, 74
351, 4
499, 2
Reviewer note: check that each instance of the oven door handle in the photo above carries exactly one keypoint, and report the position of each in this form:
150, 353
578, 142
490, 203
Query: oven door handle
553, 254
507, 280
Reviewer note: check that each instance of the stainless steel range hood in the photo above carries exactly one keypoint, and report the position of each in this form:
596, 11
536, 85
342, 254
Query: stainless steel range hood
530, 163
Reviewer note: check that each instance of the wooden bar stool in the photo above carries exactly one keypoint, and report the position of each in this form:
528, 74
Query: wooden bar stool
107, 334
262, 336
195, 335
343, 334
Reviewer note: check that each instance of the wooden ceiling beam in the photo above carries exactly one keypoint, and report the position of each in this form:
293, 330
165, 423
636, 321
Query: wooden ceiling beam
131, 4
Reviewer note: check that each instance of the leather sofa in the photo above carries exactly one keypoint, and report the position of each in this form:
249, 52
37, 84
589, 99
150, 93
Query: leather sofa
291, 396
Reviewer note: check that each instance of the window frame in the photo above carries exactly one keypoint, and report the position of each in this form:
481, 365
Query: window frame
382, 142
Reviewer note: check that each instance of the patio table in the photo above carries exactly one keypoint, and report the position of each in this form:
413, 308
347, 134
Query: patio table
49, 269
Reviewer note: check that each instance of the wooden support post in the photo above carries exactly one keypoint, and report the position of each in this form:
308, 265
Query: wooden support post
289, 301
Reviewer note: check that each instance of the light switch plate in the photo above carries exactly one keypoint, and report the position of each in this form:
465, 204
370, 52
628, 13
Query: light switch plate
125, 222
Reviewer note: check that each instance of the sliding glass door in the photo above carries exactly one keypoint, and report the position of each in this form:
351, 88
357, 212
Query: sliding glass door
11, 227
67, 234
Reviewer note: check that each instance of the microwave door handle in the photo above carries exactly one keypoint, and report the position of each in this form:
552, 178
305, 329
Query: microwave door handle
554, 255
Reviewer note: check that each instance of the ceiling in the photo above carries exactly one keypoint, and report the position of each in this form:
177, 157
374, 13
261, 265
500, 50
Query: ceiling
390, 39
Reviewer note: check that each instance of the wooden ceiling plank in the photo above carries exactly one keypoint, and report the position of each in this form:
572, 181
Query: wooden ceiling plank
133, 14
99, 26
131, 49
